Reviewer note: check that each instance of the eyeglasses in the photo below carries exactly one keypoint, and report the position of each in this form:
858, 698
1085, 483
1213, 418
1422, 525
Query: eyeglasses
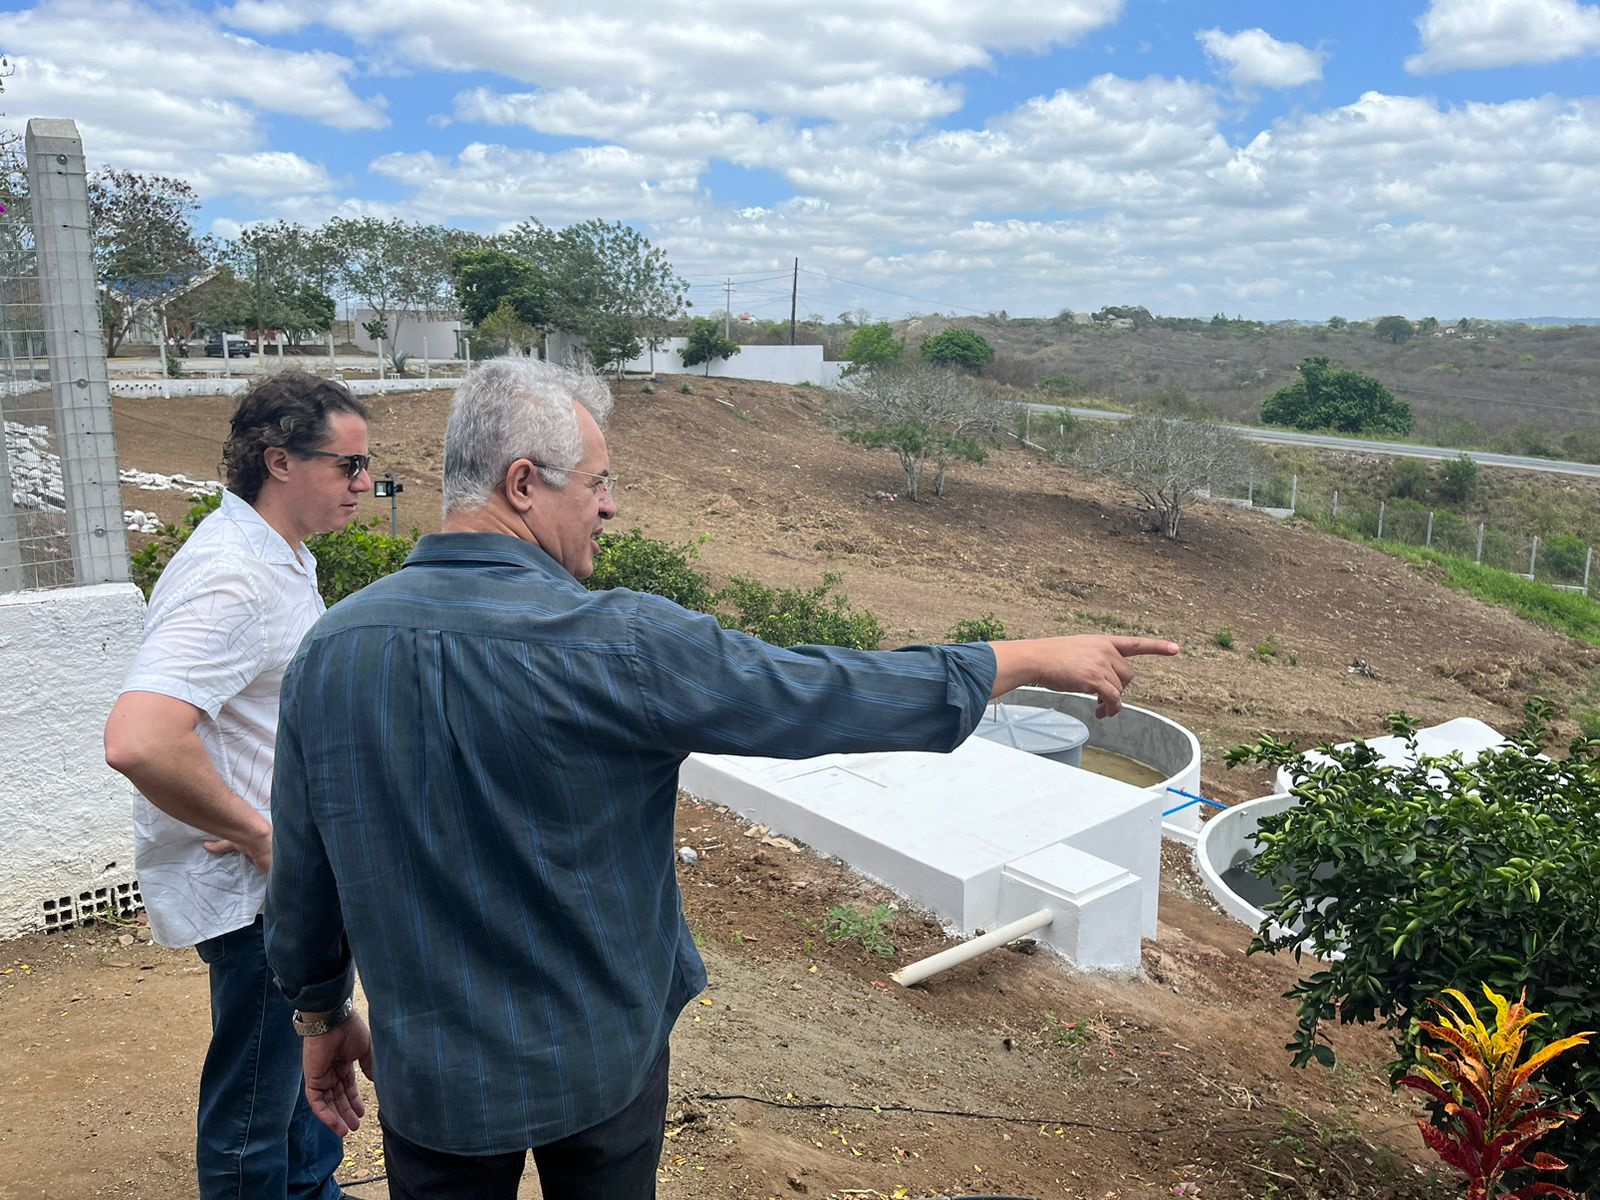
354, 464
603, 485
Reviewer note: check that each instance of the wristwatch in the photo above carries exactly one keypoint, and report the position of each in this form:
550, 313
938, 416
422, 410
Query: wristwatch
325, 1024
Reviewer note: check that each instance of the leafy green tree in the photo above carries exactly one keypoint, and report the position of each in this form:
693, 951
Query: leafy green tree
279, 268
1337, 322
1330, 397
1393, 329
396, 268
874, 346
605, 283
957, 347
1458, 479
488, 280
145, 246
221, 302
503, 332
706, 344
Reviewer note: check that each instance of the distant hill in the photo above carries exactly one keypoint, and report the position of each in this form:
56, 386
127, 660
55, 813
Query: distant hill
1556, 320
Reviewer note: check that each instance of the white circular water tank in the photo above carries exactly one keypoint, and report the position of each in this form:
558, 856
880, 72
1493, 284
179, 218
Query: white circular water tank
1042, 731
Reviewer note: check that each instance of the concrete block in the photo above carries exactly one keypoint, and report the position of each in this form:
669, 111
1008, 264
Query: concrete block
939, 828
1097, 904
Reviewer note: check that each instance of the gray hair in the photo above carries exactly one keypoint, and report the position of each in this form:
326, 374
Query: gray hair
511, 408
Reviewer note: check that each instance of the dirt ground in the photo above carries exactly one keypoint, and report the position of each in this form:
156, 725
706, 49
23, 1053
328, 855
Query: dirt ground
802, 1071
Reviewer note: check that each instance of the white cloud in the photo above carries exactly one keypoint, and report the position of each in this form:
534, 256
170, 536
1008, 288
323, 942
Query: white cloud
1254, 58
1465, 34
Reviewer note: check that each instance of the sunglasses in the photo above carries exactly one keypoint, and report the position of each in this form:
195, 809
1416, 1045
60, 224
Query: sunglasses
354, 464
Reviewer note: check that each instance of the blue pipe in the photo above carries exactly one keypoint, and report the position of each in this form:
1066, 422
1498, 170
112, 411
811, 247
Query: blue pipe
1190, 802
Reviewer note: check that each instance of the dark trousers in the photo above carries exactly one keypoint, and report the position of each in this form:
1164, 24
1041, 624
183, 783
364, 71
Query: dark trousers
256, 1137
615, 1159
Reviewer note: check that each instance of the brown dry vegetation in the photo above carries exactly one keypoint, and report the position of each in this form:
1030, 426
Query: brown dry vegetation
1106, 1087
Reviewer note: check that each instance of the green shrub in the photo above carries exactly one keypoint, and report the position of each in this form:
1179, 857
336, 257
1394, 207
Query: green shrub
987, 628
1562, 558
797, 616
347, 560
1458, 479
1225, 637
632, 560
1443, 874
1410, 479
686, 388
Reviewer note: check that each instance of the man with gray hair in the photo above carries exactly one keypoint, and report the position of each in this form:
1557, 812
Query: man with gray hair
475, 788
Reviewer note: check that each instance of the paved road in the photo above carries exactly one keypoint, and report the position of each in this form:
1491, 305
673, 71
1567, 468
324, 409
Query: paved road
1286, 437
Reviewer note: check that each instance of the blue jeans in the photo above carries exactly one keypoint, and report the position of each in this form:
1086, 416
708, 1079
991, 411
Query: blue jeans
257, 1138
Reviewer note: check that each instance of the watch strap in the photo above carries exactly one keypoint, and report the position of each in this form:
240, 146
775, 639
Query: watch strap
325, 1024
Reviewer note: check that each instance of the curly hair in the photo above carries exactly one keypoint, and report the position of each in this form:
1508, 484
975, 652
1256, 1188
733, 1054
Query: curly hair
290, 410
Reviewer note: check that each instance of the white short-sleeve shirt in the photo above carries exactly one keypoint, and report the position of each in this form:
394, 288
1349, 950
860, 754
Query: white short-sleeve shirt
225, 619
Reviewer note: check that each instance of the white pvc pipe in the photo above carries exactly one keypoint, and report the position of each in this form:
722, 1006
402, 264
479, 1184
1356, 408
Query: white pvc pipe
923, 968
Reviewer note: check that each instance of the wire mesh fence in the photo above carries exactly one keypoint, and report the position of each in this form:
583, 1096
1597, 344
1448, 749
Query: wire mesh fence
34, 548
1563, 561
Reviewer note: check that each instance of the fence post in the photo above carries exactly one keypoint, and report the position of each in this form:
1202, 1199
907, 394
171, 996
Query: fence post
1480, 543
333, 363
1251, 494
1429, 542
1027, 424
379, 342
1294, 493
85, 435
1335, 504
467, 345
1383, 506
425, 374
1533, 557
1588, 561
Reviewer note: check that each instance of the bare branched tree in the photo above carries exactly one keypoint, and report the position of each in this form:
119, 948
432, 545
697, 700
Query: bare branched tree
1168, 461
924, 414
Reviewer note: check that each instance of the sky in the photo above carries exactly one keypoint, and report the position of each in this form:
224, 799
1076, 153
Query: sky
1274, 160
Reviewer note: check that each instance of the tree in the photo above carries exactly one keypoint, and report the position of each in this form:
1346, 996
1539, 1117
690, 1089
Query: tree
923, 414
1167, 461
707, 344
221, 302
1393, 329
1410, 480
504, 331
489, 280
957, 347
396, 268
873, 346
144, 243
1329, 397
278, 265
1337, 322
605, 283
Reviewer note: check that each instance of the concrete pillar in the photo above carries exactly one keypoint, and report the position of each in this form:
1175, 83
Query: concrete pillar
1533, 557
1480, 543
1383, 506
10, 535
78, 382
1429, 541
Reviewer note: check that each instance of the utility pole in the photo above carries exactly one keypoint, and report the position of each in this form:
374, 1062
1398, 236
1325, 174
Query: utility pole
727, 309
260, 346
794, 299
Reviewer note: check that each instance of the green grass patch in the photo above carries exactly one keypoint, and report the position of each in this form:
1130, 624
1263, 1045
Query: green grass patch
1571, 613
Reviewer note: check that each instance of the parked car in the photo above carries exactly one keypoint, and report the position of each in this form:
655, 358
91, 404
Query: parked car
238, 346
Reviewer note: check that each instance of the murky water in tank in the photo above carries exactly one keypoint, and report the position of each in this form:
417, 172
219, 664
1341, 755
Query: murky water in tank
1118, 766
1250, 888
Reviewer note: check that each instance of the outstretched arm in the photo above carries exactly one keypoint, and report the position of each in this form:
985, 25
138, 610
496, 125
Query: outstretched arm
1098, 665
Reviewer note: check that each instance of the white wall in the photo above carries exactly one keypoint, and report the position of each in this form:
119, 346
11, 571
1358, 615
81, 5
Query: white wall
439, 335
65, 817
777, 364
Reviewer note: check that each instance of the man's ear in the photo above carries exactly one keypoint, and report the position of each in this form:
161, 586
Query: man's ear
520, 482
276, 459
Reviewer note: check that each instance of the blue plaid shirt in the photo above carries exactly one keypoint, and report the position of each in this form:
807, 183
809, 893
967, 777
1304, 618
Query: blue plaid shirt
474, 793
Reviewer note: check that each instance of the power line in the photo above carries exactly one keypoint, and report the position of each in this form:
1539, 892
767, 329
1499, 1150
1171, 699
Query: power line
888, 291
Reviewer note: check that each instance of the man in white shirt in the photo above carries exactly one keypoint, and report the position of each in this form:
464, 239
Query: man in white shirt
195, 728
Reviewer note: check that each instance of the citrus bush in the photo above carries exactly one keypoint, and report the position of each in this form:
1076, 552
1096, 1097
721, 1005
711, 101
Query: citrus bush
1443, 874
347, 560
